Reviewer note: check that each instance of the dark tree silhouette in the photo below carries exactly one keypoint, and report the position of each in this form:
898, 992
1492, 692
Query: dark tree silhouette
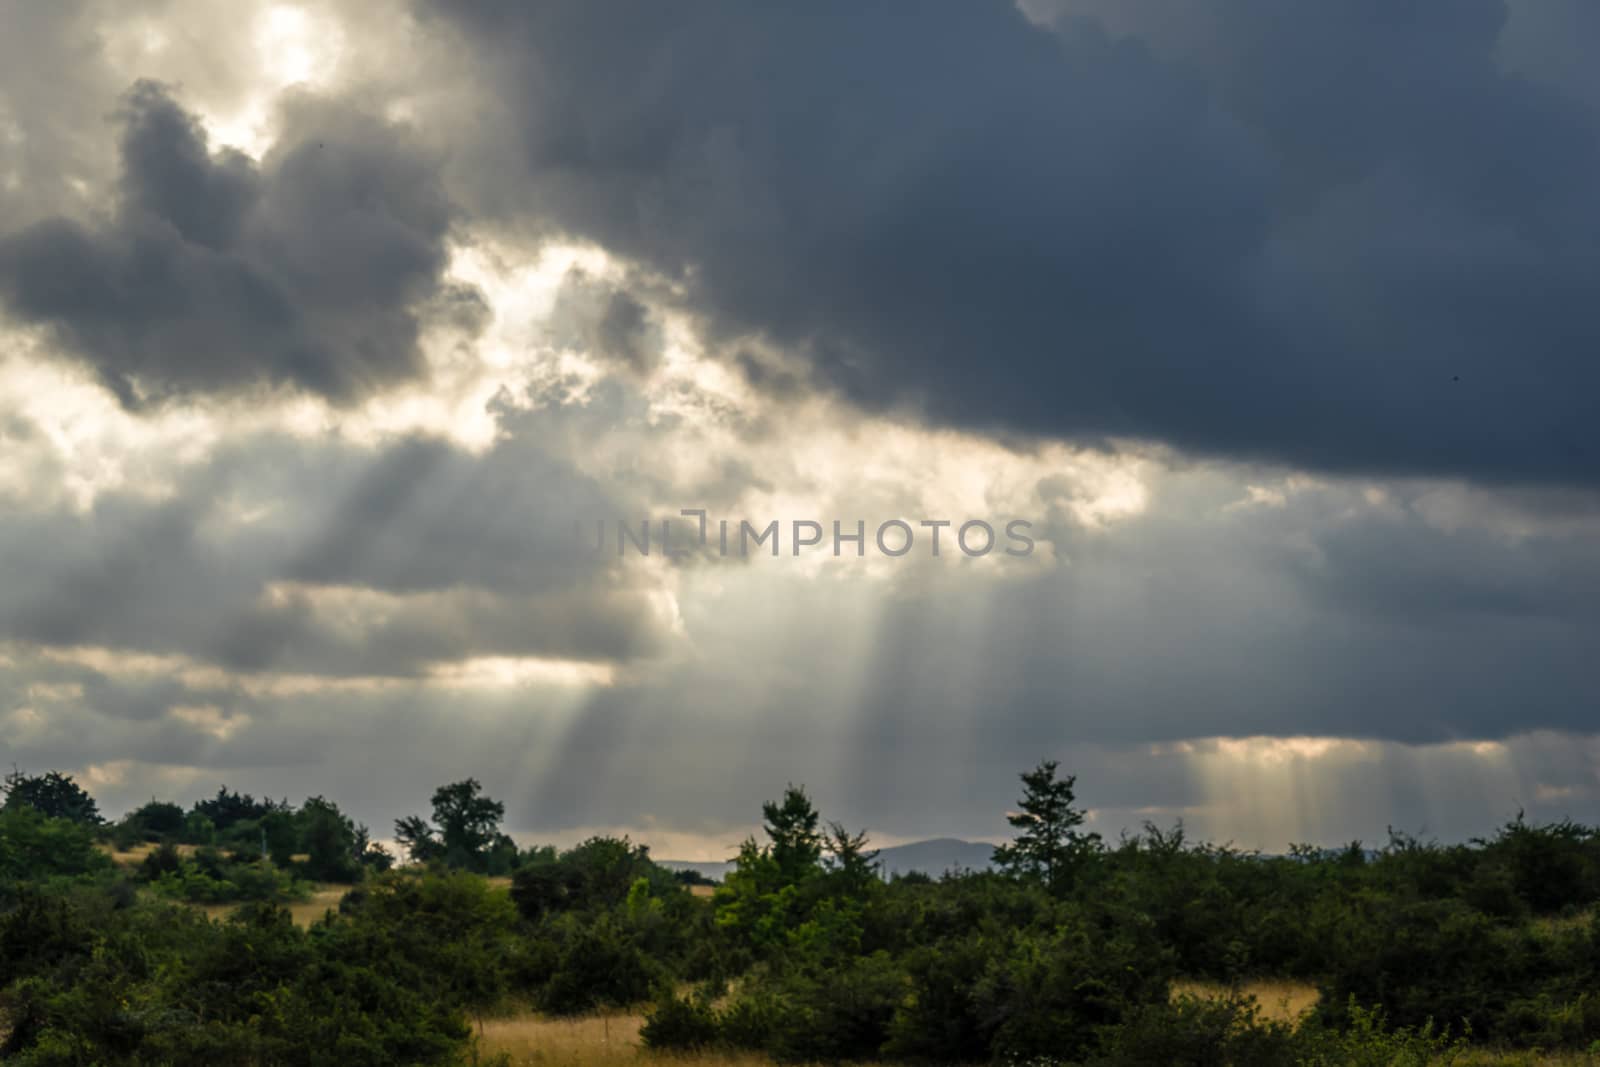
791, 825
1049, 847
54, 794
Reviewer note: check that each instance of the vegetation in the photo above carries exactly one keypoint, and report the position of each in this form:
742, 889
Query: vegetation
465, 833
54, 795
1072, 951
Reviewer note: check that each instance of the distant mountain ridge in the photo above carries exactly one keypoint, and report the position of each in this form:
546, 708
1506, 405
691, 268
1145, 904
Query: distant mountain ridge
932, 857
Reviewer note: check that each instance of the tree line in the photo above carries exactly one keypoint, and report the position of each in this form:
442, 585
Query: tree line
1066, 952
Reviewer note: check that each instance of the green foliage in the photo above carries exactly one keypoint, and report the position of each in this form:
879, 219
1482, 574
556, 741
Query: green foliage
1367, 1041
158, 821
851, 865
35, 847
608, 924
1065, 956
791, 827
767, 901
1049, 847
598, 873
329, 840
88, 982
198, 830
681, 1024
209, 877
227, 810
1195, 1032
465, 832
451, 933
315, 841
53, 795
1054, 990
1230, 1032
598, 963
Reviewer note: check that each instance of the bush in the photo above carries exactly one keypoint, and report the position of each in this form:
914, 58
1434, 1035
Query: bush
208, 877
1368, 1042
679, 1023
596, 965
35, 847
1195, 1032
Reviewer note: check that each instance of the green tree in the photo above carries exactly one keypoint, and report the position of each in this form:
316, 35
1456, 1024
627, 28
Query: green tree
372, 855
34, 847
465, 831
52, 794
158, 820
417, 838
1049, 847
328, 837
851, 864
791, 826
227, 809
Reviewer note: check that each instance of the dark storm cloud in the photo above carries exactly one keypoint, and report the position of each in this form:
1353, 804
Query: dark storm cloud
311, 270
330, 559
1548, 41
1337, 235
1403, 570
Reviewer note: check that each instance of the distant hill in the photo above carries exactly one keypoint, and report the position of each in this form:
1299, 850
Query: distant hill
930, 857
936, 856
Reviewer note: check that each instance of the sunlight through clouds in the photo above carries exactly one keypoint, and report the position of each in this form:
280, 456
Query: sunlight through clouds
291, 441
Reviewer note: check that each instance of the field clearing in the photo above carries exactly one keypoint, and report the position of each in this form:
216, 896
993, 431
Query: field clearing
136, 855
591, 1039
587, 1039
614, 1038
304, 912
1281, 1000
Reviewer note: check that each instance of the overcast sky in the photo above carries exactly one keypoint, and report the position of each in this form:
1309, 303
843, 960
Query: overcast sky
321, 323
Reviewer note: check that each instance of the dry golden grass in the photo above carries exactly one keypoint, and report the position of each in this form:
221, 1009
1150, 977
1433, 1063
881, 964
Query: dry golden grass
591, 1039
614, 1039
135, 855
1280, 1000
702, 890
304, 912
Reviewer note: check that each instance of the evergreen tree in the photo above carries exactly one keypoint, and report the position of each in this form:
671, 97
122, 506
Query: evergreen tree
850, 862
1049, 846
791, 825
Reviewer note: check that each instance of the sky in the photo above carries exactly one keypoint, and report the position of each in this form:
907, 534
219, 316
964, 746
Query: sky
333, 335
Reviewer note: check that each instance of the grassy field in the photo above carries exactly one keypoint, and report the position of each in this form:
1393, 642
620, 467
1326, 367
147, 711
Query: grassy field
590, 1039
136, 855
597, 1039
614, 1038
1282, 1001
305, 912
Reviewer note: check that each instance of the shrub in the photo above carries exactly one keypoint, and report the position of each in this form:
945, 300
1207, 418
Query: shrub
679, 1023
1195, 1032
